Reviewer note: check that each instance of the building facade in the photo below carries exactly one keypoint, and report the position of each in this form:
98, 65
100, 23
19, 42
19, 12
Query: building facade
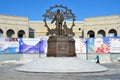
16, 26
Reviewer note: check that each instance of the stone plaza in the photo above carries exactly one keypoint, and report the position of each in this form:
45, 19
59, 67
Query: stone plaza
7, 72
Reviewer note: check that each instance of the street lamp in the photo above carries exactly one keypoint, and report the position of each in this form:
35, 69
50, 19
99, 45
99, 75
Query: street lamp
86, 42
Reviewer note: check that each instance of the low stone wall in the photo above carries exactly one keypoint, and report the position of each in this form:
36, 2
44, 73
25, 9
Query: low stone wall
104, 58
4, 57
115, 57
18, 57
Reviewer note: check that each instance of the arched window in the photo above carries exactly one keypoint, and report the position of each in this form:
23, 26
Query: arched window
21, 33
10, 33
91, 34
101, 33
1, 32
112, 33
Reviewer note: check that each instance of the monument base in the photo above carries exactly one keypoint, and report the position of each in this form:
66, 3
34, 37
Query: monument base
61, 47
61, 65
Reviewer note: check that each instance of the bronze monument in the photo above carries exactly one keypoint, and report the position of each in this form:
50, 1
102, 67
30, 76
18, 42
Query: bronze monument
60, 42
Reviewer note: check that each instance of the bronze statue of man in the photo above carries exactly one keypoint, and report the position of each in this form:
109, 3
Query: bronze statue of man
59, 20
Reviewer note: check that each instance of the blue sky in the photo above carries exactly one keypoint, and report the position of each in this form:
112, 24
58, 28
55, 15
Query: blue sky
34, 9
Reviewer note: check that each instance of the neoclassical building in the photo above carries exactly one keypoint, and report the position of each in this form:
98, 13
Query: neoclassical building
18, 27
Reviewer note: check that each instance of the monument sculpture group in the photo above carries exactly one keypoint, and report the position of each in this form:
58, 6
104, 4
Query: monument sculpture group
61, 47
60, 42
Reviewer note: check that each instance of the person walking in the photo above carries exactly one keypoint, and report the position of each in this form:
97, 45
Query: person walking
98, 59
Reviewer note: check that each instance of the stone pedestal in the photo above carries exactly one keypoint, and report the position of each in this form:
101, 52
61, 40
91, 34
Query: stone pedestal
61, 47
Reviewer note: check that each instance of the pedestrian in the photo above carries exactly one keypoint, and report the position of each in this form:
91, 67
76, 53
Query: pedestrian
98, 59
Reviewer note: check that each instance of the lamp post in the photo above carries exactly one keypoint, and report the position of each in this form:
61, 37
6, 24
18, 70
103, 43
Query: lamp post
86, 49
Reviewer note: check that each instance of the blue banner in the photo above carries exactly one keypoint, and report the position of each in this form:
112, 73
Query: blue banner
27, 45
